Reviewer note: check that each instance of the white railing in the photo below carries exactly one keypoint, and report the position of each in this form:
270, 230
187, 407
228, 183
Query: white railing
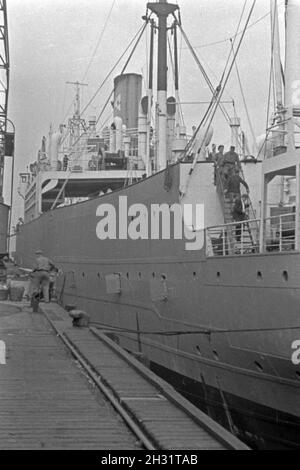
92, 163
280, 135
280, 233
236, 238
240, 238
86, 156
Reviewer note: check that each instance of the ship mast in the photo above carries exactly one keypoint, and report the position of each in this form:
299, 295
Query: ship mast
4, 87
76, 121
283, 159
292, 56
276, 55
162, 9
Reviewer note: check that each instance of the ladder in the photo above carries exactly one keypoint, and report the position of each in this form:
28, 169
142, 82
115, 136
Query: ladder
237, 243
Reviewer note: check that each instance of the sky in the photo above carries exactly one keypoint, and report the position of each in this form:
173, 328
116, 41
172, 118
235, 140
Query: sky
52, 42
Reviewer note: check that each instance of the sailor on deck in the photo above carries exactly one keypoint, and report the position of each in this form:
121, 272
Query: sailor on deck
219, 155
239, 214
233, 184
229, 162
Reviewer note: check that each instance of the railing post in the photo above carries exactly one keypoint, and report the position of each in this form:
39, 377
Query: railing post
242, 238
280, 233
297, 215
224, 243
263, 214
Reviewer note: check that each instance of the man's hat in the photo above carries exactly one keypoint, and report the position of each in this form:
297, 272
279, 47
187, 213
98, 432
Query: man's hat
38, 252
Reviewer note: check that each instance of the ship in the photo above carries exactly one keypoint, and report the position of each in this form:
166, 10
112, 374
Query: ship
139, 221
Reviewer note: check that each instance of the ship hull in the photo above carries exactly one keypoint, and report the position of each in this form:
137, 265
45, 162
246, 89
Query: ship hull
162, 300
258, 426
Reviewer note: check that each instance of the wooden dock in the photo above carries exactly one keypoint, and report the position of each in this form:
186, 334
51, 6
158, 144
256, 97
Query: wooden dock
63, 387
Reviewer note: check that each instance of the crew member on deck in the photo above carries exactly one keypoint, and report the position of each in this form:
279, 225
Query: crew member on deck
233, 184
219, 155
65, 162
218, 160
212, 155
229, 162
239, 215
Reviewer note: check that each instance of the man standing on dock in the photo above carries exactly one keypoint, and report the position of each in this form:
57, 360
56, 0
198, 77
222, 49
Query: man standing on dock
41, 274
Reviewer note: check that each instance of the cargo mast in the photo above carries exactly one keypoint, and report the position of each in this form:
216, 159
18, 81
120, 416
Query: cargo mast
292, 57
162, 9
6, 138
283, 154
4, 86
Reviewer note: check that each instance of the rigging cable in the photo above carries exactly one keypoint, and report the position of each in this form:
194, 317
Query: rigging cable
179, 70
244, 100
221, 41
218, 97
91, 59
125, 66
139, 33
173, 70
224, 111
233, 42
99, 40
101, 85
269, 93
200, 331
263, 147
112, 69
202, 70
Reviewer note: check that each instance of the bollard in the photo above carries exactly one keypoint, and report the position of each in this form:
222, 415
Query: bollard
70, 307
80, 318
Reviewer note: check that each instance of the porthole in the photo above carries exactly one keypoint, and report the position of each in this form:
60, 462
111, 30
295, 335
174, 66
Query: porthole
216, 355
259, 275
218, 274
83, 274
285, 275
98, 275
194, 274
258, 366
127, 275
153, 274
140, 275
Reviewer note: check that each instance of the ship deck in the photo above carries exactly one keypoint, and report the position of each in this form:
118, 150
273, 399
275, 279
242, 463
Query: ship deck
64, 387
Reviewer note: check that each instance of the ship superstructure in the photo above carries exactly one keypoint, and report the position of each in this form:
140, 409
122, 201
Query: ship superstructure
216, 312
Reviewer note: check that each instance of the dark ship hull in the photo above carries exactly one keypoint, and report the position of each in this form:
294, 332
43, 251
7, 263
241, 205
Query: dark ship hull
164, 302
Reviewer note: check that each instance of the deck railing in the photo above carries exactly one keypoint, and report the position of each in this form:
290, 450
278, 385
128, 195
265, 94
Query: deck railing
235, 238
92, 164
280, 233
282, 134
241, 238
